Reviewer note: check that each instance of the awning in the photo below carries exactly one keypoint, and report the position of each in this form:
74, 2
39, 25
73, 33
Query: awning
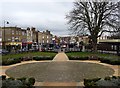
14, 43
29, 42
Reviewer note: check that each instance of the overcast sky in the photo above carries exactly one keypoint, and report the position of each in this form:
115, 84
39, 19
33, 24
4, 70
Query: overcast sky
41, 14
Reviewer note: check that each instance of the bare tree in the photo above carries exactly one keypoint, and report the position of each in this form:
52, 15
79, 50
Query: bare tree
94, 18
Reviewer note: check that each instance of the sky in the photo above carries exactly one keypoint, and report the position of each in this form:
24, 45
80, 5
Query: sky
41, 14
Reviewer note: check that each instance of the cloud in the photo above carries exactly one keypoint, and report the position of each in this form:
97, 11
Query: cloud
41, 14
37, 0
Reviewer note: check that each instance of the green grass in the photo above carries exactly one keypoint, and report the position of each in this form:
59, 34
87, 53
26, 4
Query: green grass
87, 54
28, 54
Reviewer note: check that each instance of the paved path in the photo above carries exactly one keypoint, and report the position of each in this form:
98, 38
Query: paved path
61, 57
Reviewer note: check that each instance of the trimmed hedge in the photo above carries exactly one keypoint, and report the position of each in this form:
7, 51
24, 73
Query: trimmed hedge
90, 83
107, 60
110, 61
38, 58
111, 82
11, 61
78, 58
18, 83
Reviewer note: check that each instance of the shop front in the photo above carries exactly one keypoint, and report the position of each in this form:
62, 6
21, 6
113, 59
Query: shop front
13, 46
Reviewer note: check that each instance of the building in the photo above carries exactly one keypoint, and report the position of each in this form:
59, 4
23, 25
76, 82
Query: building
40, 38
29, 38
84, 39
13, 37
34, 38
109, 45
0, 38
47, 37
44, 37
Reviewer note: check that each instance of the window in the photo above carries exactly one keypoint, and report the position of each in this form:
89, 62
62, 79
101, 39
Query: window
16, 32
115, 47
47, 41
47, 37
16, 39
13, 39
112, 47
13, 32
43, 37
43, 41
8, 39
19, 32
23, 33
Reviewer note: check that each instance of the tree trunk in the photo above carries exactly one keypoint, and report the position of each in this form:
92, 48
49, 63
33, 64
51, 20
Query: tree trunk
94, 44
118, 50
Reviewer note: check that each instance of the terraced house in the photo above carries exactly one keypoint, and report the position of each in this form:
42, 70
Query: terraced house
44, 39
13, 37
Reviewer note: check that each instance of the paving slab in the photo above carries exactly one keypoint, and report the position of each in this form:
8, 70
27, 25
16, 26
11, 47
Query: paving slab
61, 56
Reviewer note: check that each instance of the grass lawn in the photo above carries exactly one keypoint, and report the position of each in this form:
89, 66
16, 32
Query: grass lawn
28, 54
86, 54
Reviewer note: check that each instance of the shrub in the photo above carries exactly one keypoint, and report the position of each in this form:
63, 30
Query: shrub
12, 84
18, 83
37, 58
3, 77
31, 81
113, 62
105, 60
90, 83
11, 78
27, 58
110, 61
107, 78
110, 82
10, 61
93, 57
77, 58
22, 79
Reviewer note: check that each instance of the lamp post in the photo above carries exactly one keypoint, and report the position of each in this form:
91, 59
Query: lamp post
5, 22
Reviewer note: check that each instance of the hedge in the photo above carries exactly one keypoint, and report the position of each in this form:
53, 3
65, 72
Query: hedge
77, 58
110, 61
108, 82
11, 61
37, 58
18, 83
107, 60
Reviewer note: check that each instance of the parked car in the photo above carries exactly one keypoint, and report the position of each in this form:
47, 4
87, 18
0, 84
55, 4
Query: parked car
32, 49
23, 50
4, 51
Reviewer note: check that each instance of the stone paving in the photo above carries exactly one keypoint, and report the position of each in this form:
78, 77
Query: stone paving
62, 74
61, 57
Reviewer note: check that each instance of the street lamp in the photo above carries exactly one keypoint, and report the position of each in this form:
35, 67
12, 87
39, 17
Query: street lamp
5, 22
